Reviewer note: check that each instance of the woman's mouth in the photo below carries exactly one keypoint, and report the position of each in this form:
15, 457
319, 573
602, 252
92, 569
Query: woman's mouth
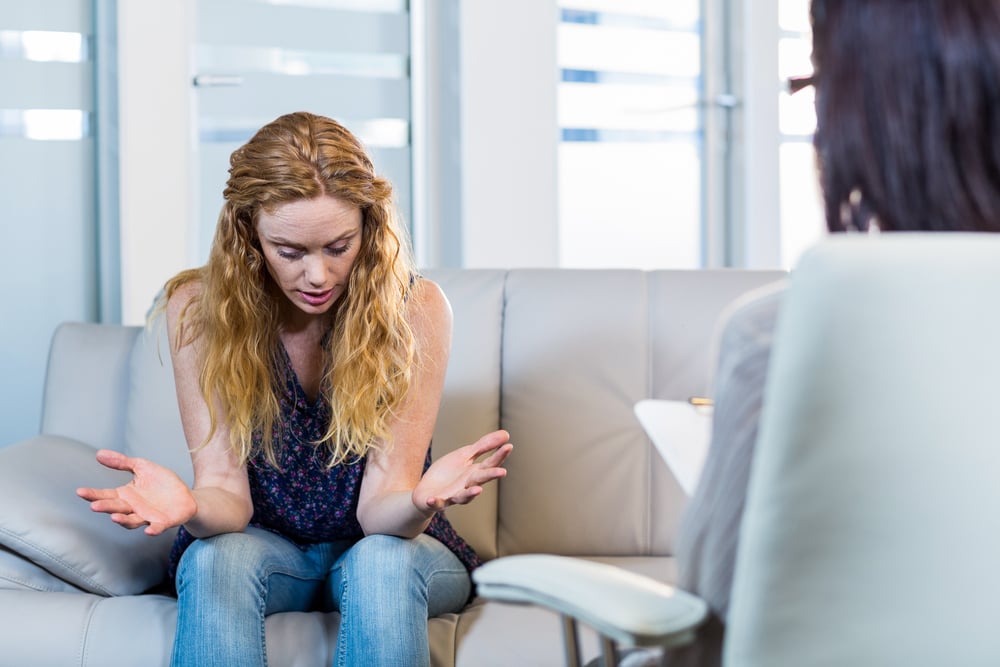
316, 298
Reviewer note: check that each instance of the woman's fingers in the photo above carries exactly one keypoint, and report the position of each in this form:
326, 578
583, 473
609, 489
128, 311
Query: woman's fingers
90, 494
499, 456
111, 506
489, 442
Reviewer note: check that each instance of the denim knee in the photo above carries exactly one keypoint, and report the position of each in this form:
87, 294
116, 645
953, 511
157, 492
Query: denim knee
220, 556
380, 556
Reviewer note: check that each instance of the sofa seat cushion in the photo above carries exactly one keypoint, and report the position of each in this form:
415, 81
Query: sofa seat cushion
43, 520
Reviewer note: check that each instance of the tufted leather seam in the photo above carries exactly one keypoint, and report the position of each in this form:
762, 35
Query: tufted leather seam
84, 646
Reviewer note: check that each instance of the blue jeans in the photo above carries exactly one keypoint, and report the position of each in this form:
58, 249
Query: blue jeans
384, 587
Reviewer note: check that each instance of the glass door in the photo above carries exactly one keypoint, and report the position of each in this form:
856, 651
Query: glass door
48, 209
258, 59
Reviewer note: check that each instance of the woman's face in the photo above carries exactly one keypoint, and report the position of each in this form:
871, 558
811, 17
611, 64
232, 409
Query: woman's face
310, 246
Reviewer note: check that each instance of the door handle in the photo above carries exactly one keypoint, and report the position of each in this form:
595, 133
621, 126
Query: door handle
217, 80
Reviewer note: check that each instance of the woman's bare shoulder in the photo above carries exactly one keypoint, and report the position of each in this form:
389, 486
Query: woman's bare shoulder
181, 296
427, 301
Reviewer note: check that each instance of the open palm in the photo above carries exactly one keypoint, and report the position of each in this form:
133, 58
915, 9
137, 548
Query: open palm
458, 477
155, 497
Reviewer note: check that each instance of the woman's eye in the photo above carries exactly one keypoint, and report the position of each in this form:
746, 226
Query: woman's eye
289, 253
337, 250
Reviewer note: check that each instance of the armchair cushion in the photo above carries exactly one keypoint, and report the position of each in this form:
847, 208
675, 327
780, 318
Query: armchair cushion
43, 520
629, 608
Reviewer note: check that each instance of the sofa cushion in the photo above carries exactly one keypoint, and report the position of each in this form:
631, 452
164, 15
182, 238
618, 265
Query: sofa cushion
43, 520
471, 398
18, 572
85, 383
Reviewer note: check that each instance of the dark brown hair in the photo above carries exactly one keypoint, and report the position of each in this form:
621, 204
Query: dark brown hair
908, 113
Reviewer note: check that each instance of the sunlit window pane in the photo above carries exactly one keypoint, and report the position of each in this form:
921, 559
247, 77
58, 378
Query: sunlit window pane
43, 46
614, 49
683, 13
802, 218
793, 15
631, 205
663, 107
630, 118
388, 6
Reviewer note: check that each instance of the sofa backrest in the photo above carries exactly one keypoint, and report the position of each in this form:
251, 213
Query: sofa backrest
557, 357
86, 382
560, 366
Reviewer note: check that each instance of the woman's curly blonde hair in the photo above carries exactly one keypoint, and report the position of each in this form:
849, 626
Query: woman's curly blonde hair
235, 313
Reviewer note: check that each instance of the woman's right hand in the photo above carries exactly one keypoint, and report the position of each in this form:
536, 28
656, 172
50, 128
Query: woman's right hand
155, 498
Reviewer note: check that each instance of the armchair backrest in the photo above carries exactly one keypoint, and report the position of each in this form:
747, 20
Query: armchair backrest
872, 528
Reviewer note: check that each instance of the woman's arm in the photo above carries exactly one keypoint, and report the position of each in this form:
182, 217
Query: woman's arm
156, 497
396, 497
221, 490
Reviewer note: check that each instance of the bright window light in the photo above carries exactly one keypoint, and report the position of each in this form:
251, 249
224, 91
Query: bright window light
43, 46
53, 124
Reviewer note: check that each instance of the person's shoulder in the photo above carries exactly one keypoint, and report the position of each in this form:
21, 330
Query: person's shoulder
426, 301
181, 294
756, 311
426, 293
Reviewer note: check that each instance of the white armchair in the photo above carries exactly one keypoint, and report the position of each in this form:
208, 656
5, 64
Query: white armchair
872, 528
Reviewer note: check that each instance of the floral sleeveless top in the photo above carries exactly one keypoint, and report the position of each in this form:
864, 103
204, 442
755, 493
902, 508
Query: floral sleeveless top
306, 501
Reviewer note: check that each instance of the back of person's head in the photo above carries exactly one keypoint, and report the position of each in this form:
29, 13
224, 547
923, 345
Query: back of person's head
908, 113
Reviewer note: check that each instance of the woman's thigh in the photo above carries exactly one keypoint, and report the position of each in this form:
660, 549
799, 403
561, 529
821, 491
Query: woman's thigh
286, 576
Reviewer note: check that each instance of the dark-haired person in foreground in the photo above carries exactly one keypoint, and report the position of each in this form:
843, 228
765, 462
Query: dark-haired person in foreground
907, 139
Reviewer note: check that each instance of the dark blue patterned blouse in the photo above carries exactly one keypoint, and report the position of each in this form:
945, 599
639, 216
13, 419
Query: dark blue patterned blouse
306, 501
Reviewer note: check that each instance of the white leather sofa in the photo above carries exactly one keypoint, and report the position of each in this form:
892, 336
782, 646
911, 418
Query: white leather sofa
556, 357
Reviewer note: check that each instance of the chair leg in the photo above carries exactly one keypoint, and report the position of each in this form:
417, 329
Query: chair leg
610, 652
571, 641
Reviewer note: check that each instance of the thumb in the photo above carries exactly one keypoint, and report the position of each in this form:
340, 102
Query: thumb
434, 504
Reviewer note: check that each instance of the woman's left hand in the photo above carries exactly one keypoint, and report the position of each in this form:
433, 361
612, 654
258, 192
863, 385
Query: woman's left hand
458, 477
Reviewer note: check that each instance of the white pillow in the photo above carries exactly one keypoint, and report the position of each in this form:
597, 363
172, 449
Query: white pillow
43, 520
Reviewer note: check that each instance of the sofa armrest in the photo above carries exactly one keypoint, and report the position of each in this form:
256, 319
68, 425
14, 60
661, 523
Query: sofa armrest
86, 383
625, 607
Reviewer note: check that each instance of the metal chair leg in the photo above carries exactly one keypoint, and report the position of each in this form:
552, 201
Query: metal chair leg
610, 652
571, 641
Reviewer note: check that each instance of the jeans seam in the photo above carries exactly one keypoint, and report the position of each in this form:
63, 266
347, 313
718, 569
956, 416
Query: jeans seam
343, 602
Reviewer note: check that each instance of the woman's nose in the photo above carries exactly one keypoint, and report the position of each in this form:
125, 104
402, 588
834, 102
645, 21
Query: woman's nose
315, 271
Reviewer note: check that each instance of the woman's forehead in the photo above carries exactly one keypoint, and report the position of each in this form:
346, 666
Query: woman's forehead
302, 219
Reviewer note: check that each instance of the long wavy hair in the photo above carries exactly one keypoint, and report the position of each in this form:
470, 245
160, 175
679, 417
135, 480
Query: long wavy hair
908, 113
234, 315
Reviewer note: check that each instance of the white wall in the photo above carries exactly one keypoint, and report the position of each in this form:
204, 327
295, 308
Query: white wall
156, 148
761, 242
509, 133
